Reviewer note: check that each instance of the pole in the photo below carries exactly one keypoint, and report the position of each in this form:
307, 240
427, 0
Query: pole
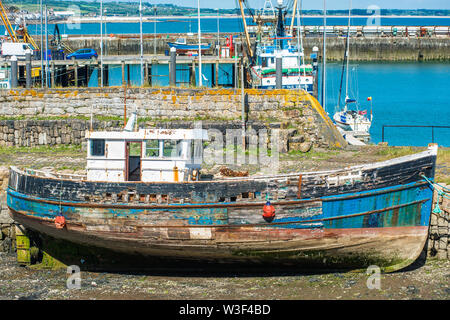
279, 71
42, 54
347, 51
301, 60
46, 50
247, 36
142, 48
324, 55
291, 29
28, 68
154, 32
101, 43
173, 66
14, 69
242, 106
218, 35
200, 74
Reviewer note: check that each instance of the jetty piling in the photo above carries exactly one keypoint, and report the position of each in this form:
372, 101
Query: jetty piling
279, 71
28, 69
14, 70
173, 67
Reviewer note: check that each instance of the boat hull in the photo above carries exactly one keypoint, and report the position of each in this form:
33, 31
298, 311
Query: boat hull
331, 232
375, 214
390, 248
188, 47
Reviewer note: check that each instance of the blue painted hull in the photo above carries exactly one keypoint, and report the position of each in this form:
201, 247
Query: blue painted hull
383, 221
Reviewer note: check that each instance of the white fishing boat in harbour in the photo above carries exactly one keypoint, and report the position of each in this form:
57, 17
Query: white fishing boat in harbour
295, 73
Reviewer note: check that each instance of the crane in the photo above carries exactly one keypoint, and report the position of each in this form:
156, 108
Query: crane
4, 16
22, 32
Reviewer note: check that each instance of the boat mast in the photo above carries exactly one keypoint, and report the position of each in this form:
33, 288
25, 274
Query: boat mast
300, 46
200, 82
101, 43
141, 43
347, 51
324, 54
247, 37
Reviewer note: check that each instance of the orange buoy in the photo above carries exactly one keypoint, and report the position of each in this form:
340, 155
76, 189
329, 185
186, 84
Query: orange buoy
268, 212
60, 222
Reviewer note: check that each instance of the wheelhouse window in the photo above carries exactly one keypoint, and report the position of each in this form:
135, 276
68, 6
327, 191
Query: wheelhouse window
152, 148
172, 148
196, 151
98, 147
264, 62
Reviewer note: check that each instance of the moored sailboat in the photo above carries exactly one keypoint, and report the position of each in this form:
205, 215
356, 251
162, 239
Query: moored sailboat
350, 118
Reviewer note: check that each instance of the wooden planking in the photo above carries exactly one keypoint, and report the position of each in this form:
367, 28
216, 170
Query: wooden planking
246, 190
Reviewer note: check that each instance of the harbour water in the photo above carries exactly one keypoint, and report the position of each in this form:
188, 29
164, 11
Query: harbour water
228, 25
402, 94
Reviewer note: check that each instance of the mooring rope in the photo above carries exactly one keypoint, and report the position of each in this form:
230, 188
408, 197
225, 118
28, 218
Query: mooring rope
440, 192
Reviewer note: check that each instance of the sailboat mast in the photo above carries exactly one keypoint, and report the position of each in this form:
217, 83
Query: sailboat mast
200, 74
347, 51
324, 54
300, 46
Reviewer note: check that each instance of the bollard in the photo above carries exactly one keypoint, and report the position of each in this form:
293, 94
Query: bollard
192, 76
75, 75
279, 71
14, 69
173, 66
123, 72
28, 68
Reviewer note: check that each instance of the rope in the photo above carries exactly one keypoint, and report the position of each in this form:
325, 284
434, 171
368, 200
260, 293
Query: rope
440, 192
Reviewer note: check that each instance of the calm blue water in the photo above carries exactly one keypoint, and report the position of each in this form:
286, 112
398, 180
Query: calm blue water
402, 94
225, 25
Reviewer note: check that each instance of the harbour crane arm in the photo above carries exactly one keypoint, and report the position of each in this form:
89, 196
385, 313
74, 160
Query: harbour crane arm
291, 29
247, 37
8, 27
27, 38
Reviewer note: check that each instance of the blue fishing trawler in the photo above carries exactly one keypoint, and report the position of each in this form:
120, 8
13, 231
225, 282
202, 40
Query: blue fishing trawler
144, 193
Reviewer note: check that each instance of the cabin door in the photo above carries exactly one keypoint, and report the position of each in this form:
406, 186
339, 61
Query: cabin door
133, 161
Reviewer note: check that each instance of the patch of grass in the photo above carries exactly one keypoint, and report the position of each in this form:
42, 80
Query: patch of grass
394, 152
66, 149
313, 154
443, 166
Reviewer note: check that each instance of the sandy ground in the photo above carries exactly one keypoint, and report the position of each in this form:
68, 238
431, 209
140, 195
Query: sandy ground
430, 280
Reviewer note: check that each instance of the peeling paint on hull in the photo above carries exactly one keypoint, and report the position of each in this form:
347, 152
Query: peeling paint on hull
381, 224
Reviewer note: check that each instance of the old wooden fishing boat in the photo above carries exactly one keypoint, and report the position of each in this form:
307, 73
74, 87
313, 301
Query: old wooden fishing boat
144, 194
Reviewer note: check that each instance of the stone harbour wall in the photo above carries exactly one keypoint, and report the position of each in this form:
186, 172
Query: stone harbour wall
7, 229
295, 110
439, 235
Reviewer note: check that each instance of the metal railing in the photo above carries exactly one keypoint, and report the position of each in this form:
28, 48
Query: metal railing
412, 126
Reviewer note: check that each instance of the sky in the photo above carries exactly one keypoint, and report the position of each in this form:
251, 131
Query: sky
318, 4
